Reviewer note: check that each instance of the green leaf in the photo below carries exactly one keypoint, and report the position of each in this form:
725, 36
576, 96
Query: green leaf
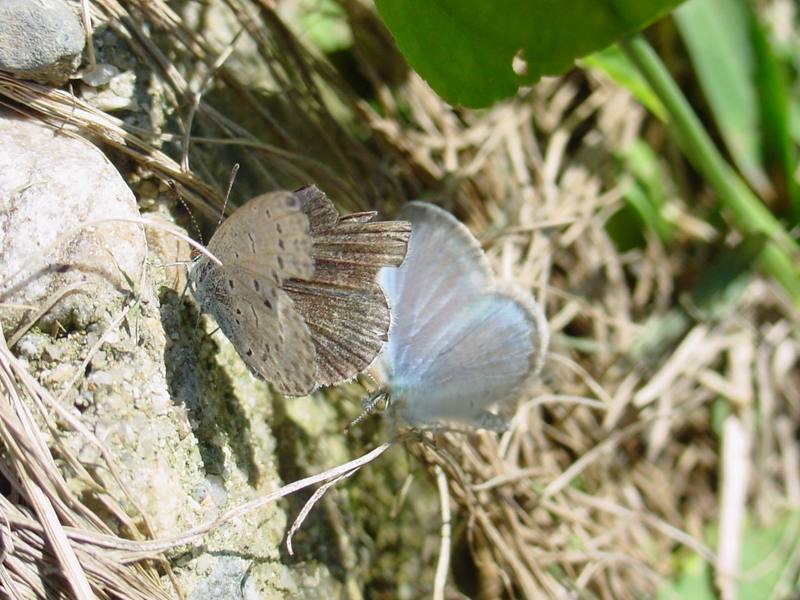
717, 37
720, 410
779, 256
794, 120
625, 226
744, 82
724, 280
694, 582
648, 196
464, 48
718, 288
766, 551
645, 198
324, 24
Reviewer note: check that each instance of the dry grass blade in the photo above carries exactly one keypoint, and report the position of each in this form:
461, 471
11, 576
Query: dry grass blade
736, 473
614, 461
443, 564
309, 505
16, 417
50, 507
138, 550
71, 116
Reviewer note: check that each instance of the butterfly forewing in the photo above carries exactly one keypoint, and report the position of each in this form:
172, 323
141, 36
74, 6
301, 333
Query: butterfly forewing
444, 267
269, 235
263, 243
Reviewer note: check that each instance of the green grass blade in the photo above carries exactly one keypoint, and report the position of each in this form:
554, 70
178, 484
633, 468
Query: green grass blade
779, 151
781, 255
717, 34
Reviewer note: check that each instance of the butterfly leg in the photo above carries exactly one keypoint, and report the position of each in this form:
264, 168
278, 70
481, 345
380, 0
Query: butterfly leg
369, 405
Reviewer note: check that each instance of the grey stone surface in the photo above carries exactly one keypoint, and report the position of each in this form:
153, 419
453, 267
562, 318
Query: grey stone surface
51, 186
40, 39
188, 425
118, 93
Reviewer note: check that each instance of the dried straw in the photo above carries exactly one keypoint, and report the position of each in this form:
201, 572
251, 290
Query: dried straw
613, 462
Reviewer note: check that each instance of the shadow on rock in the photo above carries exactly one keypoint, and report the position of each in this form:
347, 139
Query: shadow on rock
199, 383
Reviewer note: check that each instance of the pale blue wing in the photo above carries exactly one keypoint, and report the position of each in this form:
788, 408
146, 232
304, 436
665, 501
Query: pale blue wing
444, 264
455, 346
482, 356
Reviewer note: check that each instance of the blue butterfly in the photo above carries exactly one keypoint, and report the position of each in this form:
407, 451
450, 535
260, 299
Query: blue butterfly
458, 343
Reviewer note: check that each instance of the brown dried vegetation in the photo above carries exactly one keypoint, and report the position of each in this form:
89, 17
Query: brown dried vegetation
615, 461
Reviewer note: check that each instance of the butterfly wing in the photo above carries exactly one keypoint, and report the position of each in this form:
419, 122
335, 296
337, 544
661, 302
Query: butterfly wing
345, 310
456, 346
444, 265
269, 235
483, 355
263, 244
270, 336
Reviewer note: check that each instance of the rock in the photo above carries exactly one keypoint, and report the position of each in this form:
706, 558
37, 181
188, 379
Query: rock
188, 426
118, 93
99, 74
52, 184
40, 39
176, 253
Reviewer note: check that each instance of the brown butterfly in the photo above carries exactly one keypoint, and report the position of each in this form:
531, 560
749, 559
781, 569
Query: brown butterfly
296, 292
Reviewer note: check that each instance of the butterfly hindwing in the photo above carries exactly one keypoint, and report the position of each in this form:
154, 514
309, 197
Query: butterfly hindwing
346, 311
483, 357
265, 329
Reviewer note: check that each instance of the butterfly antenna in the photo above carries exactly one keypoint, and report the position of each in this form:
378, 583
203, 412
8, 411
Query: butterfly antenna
176, 190
368, 406
231, 179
